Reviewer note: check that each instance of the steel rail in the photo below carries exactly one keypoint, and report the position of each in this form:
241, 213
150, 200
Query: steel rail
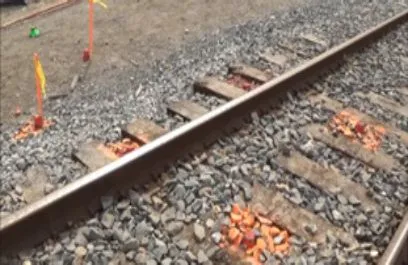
397, 250
79, 199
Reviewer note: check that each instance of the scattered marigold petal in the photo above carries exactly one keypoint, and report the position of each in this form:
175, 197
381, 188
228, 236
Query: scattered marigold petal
236, 209
265, 230
370, 136
235, 218
250, 251
257, 253
271, 244
282, 247
249, 239
274, 231
261, 244
251, 233
263, 220
249, 220
238, 240
284, 234
257, 225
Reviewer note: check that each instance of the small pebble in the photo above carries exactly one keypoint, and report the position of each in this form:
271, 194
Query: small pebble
80, 251
199, 232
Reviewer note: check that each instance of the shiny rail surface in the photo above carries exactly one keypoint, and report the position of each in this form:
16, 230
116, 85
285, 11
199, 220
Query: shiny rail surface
80, 199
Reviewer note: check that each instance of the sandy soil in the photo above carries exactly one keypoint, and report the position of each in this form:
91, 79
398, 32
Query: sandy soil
129, 32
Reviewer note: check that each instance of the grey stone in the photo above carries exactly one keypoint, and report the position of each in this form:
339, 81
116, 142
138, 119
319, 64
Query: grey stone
174, 228
45, 257
190, 183
173, 251
189, 198
181, 205
154, 217
216, 237
131, 244
108, 253
95, 233
141, 258
18, 190
199, 232
160, 249
134, 197
70, 247
190, 257
201, 257
179, 192
296, 197
182, 244
80, 251
168, 215
365, 176
206, 179
326, 253
311, 228
374, 253
121, 235
342, 199
142, 229
319, 206
181, 262
151, 262
126, 215
157, 202
123, 204
80, 239
337, 215
91, 222
377, 227
180, 216
107, 220
130, 255
166, 261
196, 206
330, 238
57, 249
99, 247
144, 241
247, 190
354, 201
361, 218
90, 248
21, 164
48, 188
209, 223
294, 240
106, 201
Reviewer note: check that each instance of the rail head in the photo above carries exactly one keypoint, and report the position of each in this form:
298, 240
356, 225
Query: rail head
51, 213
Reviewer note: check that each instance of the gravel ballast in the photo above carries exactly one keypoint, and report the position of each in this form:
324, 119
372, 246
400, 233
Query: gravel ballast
97, 113
143, 229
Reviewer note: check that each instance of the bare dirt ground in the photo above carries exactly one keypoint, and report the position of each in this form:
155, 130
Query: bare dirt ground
129, 32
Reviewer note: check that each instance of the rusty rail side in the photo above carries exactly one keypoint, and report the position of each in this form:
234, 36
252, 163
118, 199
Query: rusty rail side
397, 250
79, 199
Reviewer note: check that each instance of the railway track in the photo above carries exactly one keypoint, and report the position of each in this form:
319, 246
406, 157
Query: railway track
147, 148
